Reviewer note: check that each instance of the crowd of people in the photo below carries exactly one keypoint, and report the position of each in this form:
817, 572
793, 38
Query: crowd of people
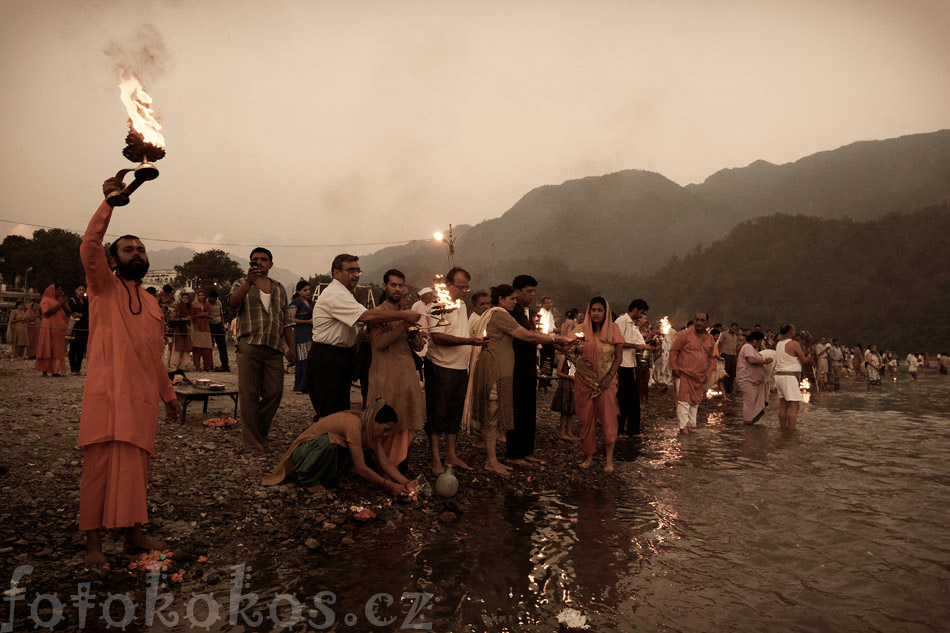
432, 368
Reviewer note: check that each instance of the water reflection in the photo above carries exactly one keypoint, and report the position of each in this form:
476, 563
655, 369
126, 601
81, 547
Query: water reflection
841, 525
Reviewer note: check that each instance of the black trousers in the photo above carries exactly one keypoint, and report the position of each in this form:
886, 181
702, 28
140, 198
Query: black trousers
77, 349
221, 341
520, 441
730, 380
628, 397
330, 372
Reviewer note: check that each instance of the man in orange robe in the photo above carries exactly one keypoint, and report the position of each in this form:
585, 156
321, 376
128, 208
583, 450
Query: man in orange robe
691, 361
51, 343
125, 379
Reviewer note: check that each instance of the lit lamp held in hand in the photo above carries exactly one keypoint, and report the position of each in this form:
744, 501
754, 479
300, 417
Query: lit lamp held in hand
144, 143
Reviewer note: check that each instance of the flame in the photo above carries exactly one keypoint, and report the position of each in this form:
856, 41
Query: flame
546, 321
805, 387
137, 103
713, 393
665, 325
443, 299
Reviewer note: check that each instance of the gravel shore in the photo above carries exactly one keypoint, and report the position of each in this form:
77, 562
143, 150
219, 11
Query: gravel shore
205, 497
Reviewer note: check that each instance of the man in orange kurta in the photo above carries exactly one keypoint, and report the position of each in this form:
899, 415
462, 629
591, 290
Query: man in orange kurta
51, 343
691, 361
124, 382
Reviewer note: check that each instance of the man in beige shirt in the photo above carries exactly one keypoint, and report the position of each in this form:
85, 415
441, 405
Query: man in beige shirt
728, 349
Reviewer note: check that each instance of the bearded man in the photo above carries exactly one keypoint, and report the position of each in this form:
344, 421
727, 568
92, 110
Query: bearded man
124, 382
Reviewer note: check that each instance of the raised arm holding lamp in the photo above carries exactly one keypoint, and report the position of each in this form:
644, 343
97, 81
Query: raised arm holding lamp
331, 365
125, 380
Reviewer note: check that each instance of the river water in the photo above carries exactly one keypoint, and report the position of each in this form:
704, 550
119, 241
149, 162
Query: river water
839, 526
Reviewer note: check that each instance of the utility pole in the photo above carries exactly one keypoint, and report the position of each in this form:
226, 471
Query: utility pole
450, 241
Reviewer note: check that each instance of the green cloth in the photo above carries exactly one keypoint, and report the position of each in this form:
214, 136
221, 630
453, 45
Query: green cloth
320, 463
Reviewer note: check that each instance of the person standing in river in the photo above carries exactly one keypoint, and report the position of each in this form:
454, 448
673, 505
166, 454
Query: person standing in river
692, 360
789, 360
751, 378
874, 367
628, 392
595, 385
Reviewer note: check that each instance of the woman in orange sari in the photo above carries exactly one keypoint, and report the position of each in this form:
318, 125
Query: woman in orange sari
595, 380
51, 342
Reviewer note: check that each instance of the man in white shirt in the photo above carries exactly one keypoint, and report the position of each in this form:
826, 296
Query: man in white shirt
546, 326
446, 372
426, 299
331, 364
912, 365
628, 393
481, 301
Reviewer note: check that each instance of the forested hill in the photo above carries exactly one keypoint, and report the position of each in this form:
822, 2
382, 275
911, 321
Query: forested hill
885, 281
635, 220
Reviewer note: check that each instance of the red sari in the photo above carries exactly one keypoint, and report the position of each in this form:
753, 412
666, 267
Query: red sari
51, 342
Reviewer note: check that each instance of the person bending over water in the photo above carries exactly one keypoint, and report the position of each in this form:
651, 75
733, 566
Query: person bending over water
340, 442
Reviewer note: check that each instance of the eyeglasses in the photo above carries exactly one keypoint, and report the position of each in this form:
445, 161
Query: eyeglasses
352, 270
462, 288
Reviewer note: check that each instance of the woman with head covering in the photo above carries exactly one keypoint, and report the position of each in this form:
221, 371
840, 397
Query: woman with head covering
51, 342
595, 380
339, 442
488, 401
751, 378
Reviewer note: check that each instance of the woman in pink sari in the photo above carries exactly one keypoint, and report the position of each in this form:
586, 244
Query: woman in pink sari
51, 342
595, 380
751, 378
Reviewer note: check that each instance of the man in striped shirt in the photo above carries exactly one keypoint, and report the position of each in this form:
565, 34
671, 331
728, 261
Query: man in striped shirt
265, 330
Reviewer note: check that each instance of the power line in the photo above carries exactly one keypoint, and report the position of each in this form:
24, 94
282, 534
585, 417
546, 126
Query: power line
158, 239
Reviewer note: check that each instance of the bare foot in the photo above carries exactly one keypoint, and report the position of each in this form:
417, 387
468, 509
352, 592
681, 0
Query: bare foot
519, 462
609, 468
317, 490
457, 463
568, 438
437, 467
535, 460
498, 468
586, 463
95, 559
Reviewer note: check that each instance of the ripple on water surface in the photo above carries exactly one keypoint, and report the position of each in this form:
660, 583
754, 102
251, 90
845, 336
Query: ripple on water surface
839, 526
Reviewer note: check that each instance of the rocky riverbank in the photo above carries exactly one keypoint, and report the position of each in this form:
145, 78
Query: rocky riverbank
205, 497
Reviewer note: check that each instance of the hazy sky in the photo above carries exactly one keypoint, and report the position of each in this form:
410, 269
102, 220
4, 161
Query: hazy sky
342, 122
